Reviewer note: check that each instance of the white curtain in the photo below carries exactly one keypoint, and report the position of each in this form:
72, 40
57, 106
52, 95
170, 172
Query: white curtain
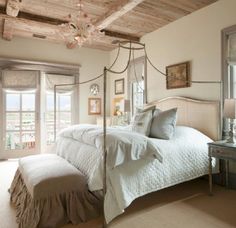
232, 48
19, 80
136, 70
54, 79
68, 80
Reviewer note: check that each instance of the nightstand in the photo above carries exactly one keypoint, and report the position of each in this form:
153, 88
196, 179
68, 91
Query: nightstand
224, 151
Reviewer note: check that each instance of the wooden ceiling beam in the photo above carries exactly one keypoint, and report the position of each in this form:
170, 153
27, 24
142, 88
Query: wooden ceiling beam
120, 35
36, 29
38, 18
52, 21
3, 3
49, 8
7, 33
42, 19
120, 8
13, 7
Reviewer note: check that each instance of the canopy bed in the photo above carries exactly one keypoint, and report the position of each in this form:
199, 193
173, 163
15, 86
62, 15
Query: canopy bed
124, 164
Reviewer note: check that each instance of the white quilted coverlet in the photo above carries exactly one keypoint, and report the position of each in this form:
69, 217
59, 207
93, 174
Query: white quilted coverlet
82, 145
180, 159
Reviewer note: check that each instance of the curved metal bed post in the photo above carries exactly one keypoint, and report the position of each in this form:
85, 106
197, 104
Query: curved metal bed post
104, 142
104, 120
55, 111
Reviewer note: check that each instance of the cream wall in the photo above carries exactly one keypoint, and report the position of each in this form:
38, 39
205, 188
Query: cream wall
92, 62
195, 38
119, 66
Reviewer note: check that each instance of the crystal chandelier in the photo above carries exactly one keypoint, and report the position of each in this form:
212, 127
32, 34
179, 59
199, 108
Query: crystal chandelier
80, 29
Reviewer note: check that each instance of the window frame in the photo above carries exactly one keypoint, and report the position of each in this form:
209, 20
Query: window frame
58, 111
6, 153
225, 74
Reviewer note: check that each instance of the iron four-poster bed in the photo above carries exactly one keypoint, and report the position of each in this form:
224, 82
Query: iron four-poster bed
136, 46
118, 158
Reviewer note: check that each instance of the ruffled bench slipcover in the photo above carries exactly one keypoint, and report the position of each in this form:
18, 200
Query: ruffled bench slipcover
48, 191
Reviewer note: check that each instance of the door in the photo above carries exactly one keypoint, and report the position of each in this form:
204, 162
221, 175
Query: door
20, 123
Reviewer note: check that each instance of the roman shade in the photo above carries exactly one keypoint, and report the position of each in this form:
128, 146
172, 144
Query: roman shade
19, 80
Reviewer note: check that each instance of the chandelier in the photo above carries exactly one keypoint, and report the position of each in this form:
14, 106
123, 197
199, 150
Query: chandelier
80, 29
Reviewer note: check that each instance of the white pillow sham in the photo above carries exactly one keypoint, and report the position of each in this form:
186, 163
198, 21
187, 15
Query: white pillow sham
141, 122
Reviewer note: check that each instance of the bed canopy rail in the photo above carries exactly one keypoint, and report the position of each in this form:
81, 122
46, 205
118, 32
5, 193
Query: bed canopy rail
131, 46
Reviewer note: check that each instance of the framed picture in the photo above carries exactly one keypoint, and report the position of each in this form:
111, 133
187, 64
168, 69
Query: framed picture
117, 106
94, 106
120, 86
180, 75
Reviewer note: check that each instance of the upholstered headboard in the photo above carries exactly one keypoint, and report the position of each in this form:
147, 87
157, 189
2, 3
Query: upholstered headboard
202, 115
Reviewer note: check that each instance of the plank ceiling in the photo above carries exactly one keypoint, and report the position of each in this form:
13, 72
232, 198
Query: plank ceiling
119, 19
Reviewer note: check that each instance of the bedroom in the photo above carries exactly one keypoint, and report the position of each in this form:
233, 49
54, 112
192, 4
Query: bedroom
195, 38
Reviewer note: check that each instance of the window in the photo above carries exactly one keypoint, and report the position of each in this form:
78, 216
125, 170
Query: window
27, 109
137, 94
63, 113
20, 120
136, 83
229, 68
64, 95
229, 61
232, 69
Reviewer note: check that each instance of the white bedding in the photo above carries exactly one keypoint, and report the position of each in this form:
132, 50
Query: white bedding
137, 165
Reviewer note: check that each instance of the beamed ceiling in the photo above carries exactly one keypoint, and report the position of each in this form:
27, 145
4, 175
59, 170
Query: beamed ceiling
119, 19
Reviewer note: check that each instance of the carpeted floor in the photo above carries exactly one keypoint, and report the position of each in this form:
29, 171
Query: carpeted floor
183, 206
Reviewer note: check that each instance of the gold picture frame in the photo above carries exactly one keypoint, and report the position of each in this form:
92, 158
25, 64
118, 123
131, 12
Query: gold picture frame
117, 103
179, 75
94, 106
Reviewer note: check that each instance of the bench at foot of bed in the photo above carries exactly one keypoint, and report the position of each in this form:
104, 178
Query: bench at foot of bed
48, 191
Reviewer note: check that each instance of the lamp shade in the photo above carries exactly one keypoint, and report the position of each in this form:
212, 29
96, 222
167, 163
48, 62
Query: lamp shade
230, 108
126, 105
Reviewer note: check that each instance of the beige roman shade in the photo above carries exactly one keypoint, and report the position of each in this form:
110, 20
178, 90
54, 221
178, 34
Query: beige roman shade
19, 80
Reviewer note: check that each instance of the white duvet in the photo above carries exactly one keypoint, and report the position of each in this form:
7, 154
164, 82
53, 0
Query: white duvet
136, 165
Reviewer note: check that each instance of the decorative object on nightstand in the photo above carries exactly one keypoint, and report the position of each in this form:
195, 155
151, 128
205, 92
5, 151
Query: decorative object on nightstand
221, 150
94, 89
126, 110
117, 106
230, 113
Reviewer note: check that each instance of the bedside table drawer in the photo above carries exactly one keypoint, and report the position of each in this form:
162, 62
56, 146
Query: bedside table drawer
222, 153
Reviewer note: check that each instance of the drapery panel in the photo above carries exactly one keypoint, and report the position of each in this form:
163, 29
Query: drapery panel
136, 70
55, 79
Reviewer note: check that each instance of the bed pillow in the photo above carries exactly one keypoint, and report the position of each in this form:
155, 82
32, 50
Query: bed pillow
163, 124
145, 109
141, 122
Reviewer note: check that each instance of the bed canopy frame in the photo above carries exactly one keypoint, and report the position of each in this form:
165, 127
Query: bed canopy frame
131, 46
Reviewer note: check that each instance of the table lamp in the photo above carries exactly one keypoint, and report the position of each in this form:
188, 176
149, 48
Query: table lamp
230, 113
